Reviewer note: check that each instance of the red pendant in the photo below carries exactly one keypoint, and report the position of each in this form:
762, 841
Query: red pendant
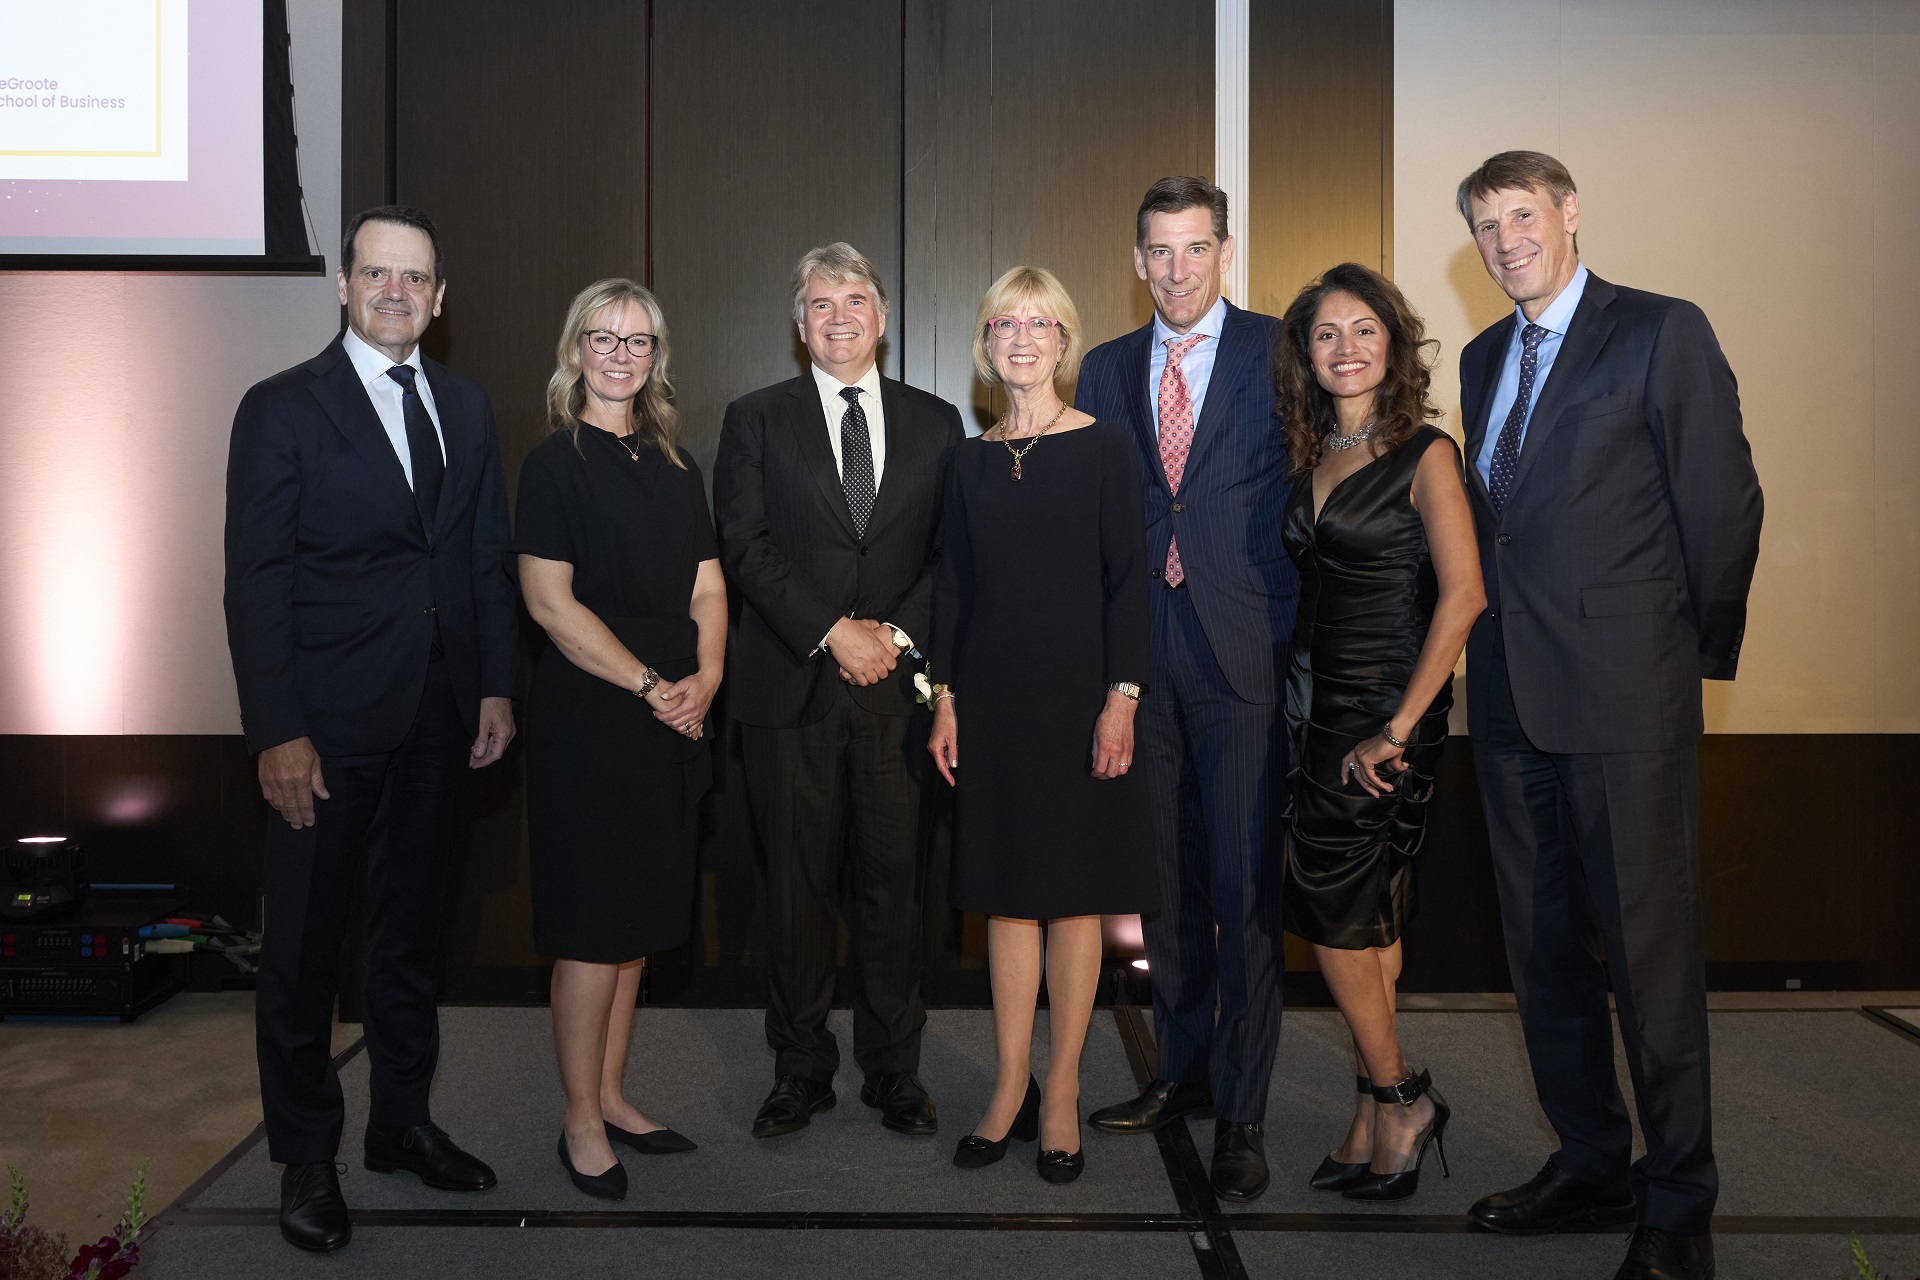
1016, 469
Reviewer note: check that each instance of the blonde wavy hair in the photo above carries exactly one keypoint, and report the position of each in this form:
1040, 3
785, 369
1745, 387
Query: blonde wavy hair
654, 417
1043, 289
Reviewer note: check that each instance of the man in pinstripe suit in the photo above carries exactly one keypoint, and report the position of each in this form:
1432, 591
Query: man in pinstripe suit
1196, 385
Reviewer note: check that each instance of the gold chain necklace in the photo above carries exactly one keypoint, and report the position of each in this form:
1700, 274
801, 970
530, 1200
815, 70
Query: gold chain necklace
1032, 440
631, 450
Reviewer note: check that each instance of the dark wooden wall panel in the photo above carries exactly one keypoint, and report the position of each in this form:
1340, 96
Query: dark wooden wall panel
521, 130
776, 128
1320, 162
1034, 129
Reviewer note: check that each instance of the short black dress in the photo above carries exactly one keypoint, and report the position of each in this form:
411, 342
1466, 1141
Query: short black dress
1367, 591
612, 793
1039, 605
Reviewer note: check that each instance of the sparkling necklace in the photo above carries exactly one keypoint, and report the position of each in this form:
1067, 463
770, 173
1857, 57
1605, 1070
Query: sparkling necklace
1032, 440
1340, 444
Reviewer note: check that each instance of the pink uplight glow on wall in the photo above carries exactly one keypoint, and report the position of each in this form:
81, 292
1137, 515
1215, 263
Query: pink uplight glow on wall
64, 545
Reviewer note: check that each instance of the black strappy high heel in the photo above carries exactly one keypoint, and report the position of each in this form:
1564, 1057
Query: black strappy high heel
1380, 1187
1332, 1175
976, 1152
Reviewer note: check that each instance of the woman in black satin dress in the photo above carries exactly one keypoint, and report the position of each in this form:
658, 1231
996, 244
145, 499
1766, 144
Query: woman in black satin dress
1379, 526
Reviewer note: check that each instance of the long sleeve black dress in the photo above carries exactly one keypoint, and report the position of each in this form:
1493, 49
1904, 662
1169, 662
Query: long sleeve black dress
1040, 603
1367, 592
612, 793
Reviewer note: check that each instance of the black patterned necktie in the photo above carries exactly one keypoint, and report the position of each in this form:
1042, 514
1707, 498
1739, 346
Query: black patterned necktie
1506, 450
423, 445
856, 461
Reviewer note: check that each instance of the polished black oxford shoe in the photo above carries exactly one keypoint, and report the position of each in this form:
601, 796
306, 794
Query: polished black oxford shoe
1654, 1254
429, 1154
313, 1214
904, 1104
792, 1105
1554, 1201
1163, 1102
1239, 1161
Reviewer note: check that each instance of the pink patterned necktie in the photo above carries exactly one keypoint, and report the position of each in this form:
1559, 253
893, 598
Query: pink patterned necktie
1176, 433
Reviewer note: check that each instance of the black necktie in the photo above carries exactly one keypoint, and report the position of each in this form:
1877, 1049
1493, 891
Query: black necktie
423, 444
856, 461
1506, 450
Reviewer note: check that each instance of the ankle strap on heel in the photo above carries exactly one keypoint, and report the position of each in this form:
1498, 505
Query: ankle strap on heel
1405, 1093
1363, 1084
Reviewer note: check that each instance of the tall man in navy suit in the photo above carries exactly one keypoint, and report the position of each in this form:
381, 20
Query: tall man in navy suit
1197, 386
374, 637
1619, 521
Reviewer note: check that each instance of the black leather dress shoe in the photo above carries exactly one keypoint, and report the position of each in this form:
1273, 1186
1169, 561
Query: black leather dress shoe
792, 1105
428, 1153
313, 1215
1666, 1255
1554, 1201
1239, 1161
1163, 1102
904, 1104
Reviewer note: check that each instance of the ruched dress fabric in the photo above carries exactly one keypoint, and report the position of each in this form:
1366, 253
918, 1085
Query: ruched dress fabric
1367, 592
612, 793
1039, 605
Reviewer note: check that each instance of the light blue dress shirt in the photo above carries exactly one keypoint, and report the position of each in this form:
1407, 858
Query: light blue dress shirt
1197, 364
1555, 319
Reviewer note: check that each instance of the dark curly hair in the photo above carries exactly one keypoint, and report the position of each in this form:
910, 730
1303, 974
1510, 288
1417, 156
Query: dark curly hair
1400, 402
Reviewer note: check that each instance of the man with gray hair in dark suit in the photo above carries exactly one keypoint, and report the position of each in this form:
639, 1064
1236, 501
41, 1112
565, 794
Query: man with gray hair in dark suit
1619, 522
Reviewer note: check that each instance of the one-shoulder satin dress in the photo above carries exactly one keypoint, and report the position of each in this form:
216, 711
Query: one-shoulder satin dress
1367, 592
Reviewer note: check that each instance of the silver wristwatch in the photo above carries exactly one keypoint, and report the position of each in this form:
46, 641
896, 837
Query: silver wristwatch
647, 682
1126, 689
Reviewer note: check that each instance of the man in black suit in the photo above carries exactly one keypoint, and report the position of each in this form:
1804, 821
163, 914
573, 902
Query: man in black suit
1196, 385
374, 636
1619, 522
827, 491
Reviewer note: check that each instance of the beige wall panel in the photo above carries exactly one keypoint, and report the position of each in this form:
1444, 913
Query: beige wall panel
117, 393
1727, 152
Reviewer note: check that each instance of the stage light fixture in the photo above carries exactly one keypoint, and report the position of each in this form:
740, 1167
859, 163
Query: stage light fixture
49, 877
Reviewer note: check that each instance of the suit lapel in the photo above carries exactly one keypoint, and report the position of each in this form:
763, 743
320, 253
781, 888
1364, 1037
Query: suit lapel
1136, 367
1231, 363
1586, 333
816, 448
337, 387
1500, 337
893, 407
457, 433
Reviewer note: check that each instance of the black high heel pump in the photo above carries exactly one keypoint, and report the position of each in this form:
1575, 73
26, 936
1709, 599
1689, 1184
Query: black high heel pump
1333, 1175
976, 1152
1381, 1187
1061, 1166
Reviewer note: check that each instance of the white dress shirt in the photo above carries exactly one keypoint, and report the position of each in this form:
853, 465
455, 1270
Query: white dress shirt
389, 397
835, 407
1196, 366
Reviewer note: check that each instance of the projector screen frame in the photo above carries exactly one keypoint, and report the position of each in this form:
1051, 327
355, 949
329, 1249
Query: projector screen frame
288, 251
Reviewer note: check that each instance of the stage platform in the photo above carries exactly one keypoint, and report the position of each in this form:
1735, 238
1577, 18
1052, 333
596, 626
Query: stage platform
1815, 1129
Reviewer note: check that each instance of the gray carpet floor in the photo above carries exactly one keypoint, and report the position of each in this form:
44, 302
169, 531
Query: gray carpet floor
1811, 1122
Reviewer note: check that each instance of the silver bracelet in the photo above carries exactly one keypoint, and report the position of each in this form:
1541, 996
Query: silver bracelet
1392, 741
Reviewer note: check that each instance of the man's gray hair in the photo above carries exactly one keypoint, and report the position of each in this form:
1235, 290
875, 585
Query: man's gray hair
836, 263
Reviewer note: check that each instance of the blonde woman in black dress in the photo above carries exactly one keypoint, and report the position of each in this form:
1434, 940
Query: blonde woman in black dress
1379, 527
1039, 646
618, 564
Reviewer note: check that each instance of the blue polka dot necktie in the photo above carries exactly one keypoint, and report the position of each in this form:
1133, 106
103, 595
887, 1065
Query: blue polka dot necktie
1506, 450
